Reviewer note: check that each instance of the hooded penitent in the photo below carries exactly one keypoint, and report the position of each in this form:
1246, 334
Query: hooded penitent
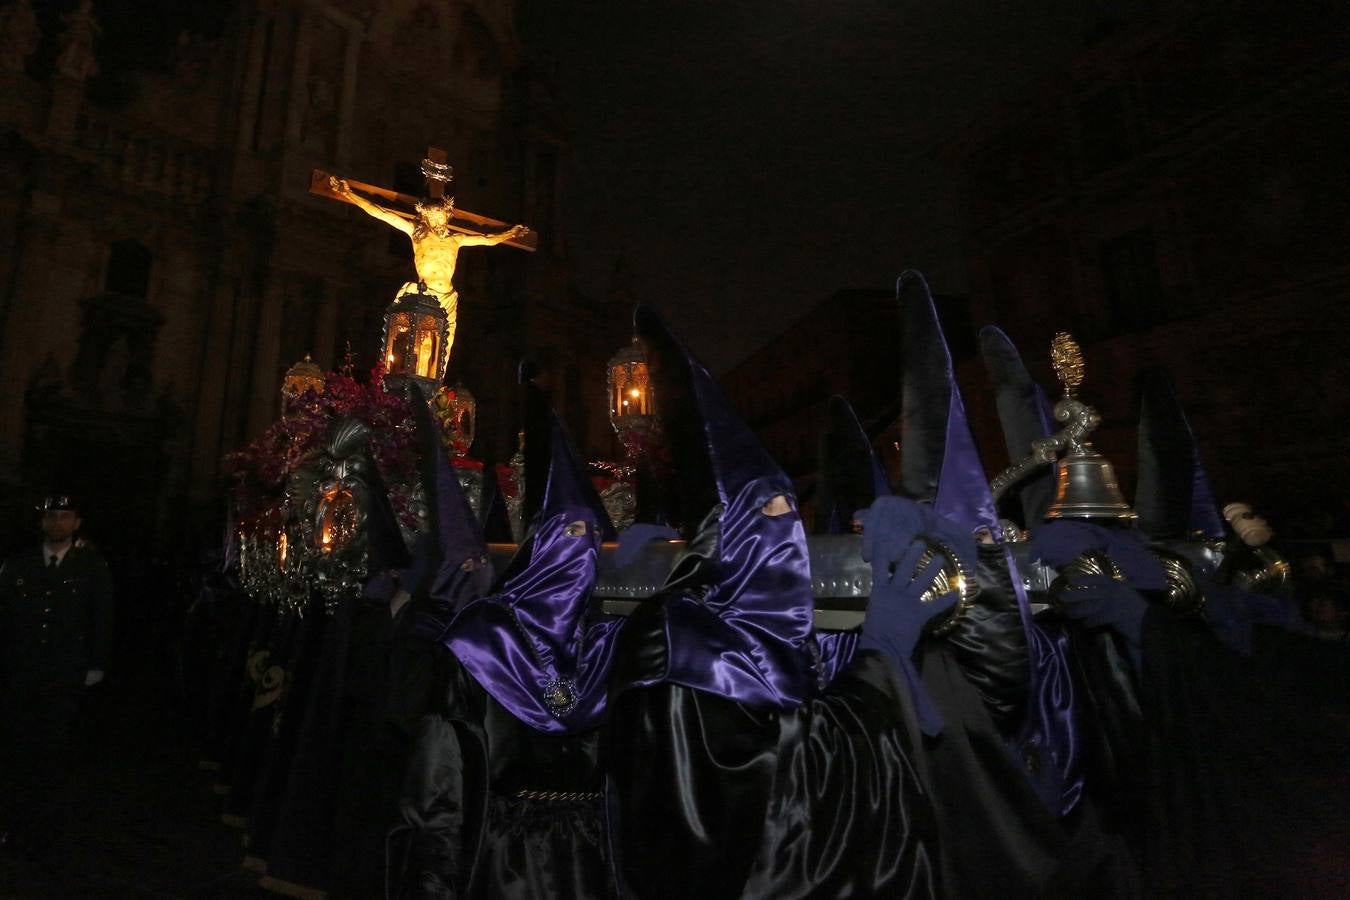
1003, 772
939, 461
738, 603
851, 476
1014, 665
1025, 414
724, 756
453, 568
529, 643
1173, 496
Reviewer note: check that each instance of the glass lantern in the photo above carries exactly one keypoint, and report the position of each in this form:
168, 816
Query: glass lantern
301, 377
631, 404
414, 340
456, 411
339, 517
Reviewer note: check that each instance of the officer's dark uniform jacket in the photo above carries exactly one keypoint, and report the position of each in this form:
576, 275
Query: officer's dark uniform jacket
55, 623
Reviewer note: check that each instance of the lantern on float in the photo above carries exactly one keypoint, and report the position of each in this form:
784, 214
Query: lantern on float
301, 377
632, 412
415, 348
632, 408
456, 411
339, 518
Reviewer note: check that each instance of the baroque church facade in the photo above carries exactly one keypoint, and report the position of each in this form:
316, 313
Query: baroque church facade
167, 264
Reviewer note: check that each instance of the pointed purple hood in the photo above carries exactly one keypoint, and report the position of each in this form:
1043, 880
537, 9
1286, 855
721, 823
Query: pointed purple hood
939, 460
738, 603
1173, 497
851, 476
458, 561
530, 644
1025, 414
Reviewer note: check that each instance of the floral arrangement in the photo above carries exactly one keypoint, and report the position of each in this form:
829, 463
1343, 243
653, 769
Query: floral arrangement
646, 445
257, 473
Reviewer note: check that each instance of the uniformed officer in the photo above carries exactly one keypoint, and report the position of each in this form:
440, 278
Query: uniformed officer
56, 610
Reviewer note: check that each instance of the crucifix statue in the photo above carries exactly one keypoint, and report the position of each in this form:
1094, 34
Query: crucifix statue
437, 229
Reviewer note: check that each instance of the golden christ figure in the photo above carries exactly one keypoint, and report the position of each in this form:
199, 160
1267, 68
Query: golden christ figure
435, 244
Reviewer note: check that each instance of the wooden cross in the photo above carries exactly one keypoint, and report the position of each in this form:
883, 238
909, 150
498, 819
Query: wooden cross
464, 222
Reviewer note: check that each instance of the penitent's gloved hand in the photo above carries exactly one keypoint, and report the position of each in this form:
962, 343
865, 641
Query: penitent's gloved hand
1062, 541
895, 616
1098, 601
898, 520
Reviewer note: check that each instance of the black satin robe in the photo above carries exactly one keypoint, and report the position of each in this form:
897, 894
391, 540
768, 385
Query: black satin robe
302, 836
990, 643
494, 809
302, 668
708, 798
256, 731
237, 707
373, 755
997, 836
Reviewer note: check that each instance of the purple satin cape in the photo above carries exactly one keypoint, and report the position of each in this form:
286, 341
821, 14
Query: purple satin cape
738, 605
747, 636
529, 644
963, 496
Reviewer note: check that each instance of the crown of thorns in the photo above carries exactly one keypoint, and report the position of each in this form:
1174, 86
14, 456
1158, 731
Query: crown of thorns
436, 171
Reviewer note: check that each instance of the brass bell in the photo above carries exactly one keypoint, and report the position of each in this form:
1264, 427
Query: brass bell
1086, 488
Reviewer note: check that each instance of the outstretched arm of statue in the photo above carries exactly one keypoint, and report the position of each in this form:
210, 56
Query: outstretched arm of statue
488, 240
384, 214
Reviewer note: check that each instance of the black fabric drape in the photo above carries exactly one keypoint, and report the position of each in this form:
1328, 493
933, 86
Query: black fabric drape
820, 801
373, 757
300, 663
997, 838
494, 809
990, 642
271, 647
302, 836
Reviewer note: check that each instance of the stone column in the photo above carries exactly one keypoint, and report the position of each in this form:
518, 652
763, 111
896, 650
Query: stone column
251, 95
24, 311
218, 337
299, 86
347, 113
265, 401
325, 330
67, 96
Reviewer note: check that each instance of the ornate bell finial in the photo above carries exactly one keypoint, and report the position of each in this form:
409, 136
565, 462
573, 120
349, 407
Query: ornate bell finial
1066, 358
1085, 483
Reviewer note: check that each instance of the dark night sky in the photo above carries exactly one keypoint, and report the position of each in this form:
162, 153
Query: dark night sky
747, 158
